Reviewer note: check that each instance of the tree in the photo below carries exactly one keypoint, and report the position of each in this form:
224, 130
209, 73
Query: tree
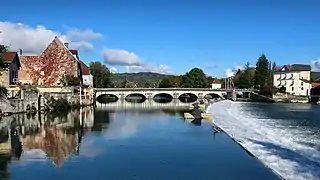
236, 78
246, 79
128, 84
195, 78
262, 74
2, 61
274, 66
101, 75
170, 82
70, 81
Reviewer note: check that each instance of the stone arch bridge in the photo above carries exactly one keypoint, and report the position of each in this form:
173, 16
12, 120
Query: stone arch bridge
175, 93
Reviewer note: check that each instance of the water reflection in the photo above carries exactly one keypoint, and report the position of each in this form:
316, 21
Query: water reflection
55, 137
82, 143
25, 138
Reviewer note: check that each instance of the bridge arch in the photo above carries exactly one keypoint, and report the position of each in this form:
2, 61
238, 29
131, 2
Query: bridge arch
107, 98
163, 98
188, 97
212, 96
135, 97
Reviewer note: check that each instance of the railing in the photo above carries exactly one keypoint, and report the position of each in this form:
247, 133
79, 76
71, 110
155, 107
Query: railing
169, 89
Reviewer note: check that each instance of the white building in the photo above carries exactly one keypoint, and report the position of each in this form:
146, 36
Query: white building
216, 84
294, 78
87, 78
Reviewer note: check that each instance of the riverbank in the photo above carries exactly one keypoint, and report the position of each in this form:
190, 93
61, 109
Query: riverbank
31, 99
277, 147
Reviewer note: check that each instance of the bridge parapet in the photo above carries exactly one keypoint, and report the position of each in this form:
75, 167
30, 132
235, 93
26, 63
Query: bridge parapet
121, 93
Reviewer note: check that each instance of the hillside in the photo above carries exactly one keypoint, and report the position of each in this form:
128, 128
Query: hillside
141, 79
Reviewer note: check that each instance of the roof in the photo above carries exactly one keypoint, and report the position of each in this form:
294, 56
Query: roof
74, 52
295, 67
8, 56
84, 68
216, 81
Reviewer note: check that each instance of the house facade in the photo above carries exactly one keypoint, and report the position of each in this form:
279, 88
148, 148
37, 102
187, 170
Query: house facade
87, 78
49, 67
294, 78
9, 75
216, 84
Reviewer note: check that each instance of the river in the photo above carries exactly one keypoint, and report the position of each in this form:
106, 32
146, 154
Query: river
285, 137
121, 142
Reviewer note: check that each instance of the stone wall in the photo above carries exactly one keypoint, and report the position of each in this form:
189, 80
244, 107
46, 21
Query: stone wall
28, 99
4, 78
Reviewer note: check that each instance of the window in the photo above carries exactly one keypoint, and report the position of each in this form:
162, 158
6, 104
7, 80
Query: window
301, 83
291, 75
292, 88
302, 88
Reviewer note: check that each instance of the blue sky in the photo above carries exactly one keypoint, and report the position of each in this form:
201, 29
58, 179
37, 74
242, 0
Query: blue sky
179, 35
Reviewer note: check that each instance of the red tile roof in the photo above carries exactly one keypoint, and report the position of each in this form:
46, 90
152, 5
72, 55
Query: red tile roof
216, 81
84, 68
8, 56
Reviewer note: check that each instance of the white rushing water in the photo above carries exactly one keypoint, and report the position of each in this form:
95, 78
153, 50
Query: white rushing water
292, 152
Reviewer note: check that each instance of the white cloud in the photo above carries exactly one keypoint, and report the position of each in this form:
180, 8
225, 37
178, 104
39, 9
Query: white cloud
113, 69
132, 62
87, 34
231, 72
120, 57
82, 45
315, 65
161, 69
35, 39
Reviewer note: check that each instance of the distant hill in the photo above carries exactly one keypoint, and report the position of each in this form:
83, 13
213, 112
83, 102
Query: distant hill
141, 79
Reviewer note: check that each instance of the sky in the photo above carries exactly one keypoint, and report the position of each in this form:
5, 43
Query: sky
169, 37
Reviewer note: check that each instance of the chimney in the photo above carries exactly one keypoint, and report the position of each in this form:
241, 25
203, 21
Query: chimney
66, 44
20, 51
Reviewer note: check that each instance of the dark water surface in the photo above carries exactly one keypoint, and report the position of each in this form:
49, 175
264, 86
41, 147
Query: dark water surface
119, 145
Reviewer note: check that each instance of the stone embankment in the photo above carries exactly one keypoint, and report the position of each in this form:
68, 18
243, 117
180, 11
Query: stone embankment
288, 98
21, 100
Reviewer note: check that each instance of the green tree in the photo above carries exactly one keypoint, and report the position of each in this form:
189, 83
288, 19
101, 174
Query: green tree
262, 74
170, 82
236, 78
70, 81
2, 61
101, 75
128, 84
274, 66
246, 79
195, 78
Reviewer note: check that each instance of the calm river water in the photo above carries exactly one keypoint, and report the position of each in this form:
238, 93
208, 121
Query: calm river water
144, 142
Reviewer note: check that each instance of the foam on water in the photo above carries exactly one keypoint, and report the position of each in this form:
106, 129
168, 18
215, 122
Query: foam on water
291, 151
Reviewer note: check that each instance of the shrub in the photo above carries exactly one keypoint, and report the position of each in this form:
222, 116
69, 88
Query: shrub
59, 104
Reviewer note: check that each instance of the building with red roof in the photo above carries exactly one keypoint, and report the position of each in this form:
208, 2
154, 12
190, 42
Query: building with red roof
216, 84
55, 62
9, 75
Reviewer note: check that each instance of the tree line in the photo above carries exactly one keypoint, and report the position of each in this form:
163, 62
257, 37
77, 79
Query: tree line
259, 77
195, 78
